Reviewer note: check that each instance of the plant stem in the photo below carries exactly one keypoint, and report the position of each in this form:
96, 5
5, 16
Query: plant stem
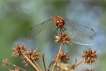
16, 66
57, 56
37, 65
50, 65
78, 63
44, 62
31, 62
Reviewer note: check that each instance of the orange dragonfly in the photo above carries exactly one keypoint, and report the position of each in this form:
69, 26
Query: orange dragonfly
43, 32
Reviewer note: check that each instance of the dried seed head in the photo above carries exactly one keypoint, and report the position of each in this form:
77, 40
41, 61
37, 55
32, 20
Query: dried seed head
32, 54
62, 56
18, 50
63, 38
89, 56
5, 62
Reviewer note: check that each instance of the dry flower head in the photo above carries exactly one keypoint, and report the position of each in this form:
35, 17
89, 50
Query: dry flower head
62, 56
89, 56
32, 54
5, 62
63, 38
18, 50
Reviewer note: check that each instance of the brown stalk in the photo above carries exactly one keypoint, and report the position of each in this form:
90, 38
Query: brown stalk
31, 63
50, 65
57, 57
37, 65
44, 62
78, 63
16, 66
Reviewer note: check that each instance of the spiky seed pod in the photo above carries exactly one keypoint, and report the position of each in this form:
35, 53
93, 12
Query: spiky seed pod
62, 57
89, 56
5, 62
63, 38
32, 54
18, 50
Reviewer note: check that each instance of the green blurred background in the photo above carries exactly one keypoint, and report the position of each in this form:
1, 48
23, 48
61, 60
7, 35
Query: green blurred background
17, 16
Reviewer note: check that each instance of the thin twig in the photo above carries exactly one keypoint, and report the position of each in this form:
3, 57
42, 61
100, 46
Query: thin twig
37, 65
50, 65
16, 66
44, 62
57, 56
31, 63
78, 63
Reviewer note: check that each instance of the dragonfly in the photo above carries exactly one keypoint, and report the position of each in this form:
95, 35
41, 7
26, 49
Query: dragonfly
43, 32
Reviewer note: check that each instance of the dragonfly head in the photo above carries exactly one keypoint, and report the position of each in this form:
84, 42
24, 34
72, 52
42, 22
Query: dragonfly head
59, 21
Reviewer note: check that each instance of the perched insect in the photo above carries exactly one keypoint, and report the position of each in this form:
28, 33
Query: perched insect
45, 31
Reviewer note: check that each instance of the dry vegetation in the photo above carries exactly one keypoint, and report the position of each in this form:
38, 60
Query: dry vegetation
60, 59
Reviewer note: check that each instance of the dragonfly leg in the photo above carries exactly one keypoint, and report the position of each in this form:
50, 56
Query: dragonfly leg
56, 31
61, 31
64, 28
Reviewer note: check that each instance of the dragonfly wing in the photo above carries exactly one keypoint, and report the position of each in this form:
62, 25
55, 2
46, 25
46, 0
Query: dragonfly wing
80, 34
41, 33
33, 31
